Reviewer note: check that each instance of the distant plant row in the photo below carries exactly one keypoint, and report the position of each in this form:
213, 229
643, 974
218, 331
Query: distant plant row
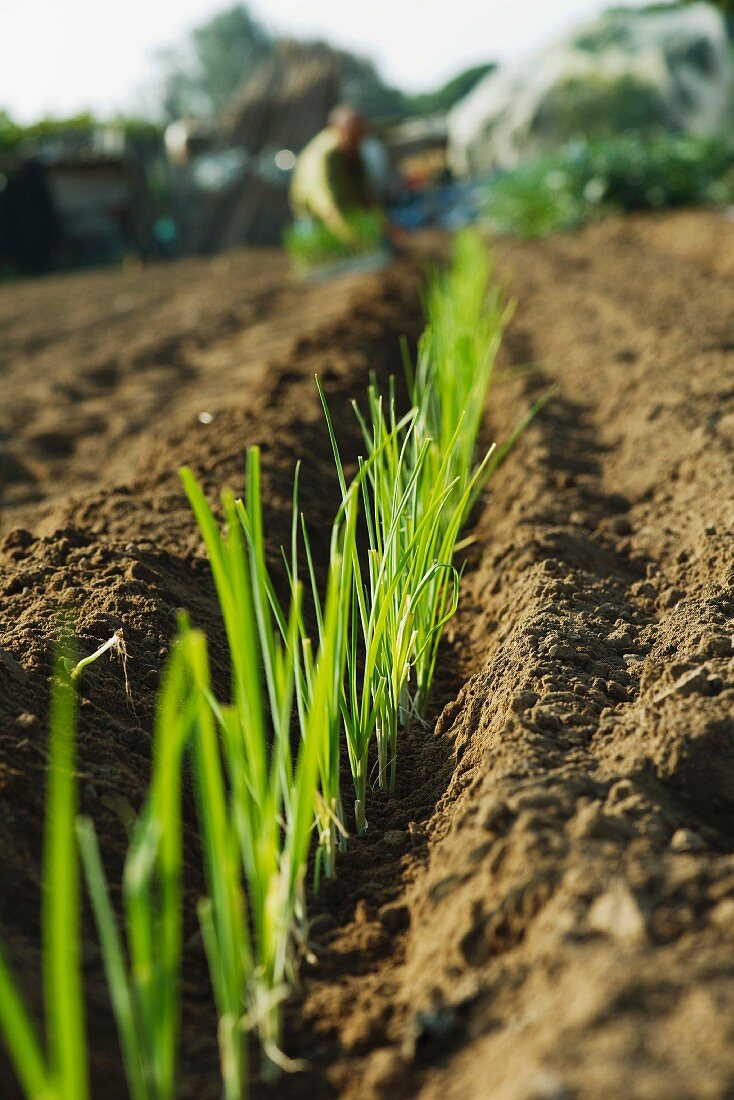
14, 136
588, 181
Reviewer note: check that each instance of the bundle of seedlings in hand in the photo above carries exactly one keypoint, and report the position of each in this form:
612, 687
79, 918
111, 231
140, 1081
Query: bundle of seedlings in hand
311, 244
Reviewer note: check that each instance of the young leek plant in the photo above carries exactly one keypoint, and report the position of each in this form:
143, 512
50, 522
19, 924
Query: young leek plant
273, 790
60, 1072
145, 992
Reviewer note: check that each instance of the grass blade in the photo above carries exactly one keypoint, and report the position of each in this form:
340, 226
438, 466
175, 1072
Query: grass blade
61, 907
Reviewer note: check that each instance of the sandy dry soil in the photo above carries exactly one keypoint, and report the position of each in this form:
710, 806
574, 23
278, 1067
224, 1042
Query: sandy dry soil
546, 909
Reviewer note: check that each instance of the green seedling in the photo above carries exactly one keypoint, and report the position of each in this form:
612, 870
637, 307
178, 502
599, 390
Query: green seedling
60, 1072
143, 974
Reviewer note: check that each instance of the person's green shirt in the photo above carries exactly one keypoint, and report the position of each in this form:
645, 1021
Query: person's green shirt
330, 185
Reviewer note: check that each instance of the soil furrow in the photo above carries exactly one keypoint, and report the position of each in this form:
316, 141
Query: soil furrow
129, 555
546, 909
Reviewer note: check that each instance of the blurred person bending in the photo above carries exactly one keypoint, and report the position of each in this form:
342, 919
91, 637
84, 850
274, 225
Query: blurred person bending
331, 184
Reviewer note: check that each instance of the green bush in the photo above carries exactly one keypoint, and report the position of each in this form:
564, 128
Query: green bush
15, 137
588, 180
601, 106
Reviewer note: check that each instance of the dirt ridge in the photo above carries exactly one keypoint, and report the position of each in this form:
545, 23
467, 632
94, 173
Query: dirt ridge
572, 934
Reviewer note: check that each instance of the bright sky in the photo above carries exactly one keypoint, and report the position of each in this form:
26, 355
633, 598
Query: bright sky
62, 56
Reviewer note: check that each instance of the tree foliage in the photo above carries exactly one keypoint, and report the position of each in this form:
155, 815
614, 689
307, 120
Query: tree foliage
201, 77
429, 103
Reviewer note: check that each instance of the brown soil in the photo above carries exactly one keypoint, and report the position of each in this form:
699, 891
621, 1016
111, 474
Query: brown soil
546, 909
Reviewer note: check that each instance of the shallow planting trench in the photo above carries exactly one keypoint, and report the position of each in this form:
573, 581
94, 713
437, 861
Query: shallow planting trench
131, 554
545, 909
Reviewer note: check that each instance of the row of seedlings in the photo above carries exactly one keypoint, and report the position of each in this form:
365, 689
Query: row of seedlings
266, 764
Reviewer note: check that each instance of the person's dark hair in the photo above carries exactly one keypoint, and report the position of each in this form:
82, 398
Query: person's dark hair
344, 116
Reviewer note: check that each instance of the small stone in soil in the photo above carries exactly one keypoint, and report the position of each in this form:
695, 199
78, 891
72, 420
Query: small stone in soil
685, 840
693, 682
28, 720
617, 692
672, 597
616, 913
